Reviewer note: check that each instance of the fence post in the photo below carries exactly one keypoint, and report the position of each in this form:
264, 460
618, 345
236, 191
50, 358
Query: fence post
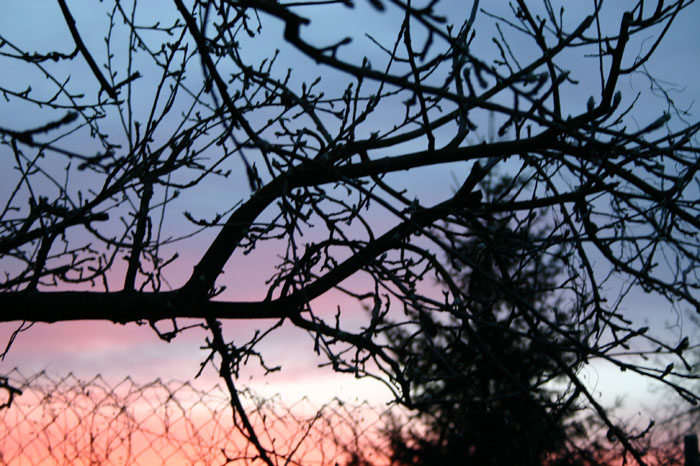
692, 457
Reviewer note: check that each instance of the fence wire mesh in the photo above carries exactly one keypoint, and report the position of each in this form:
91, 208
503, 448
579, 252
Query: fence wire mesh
68, 420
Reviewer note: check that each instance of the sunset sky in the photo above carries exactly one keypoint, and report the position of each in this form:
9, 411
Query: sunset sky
117, 351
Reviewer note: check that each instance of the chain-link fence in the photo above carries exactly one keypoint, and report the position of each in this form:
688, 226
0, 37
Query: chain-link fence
67, 420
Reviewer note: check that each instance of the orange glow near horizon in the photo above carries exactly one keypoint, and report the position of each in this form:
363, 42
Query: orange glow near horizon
70, 421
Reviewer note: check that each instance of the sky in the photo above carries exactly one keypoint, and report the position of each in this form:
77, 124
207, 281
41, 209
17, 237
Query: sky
87, 348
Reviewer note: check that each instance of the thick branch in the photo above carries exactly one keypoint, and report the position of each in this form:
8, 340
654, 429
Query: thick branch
189, 302
122, 307
315, 173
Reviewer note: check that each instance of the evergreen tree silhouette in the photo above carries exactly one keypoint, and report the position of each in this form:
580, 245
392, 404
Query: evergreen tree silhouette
481, 392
